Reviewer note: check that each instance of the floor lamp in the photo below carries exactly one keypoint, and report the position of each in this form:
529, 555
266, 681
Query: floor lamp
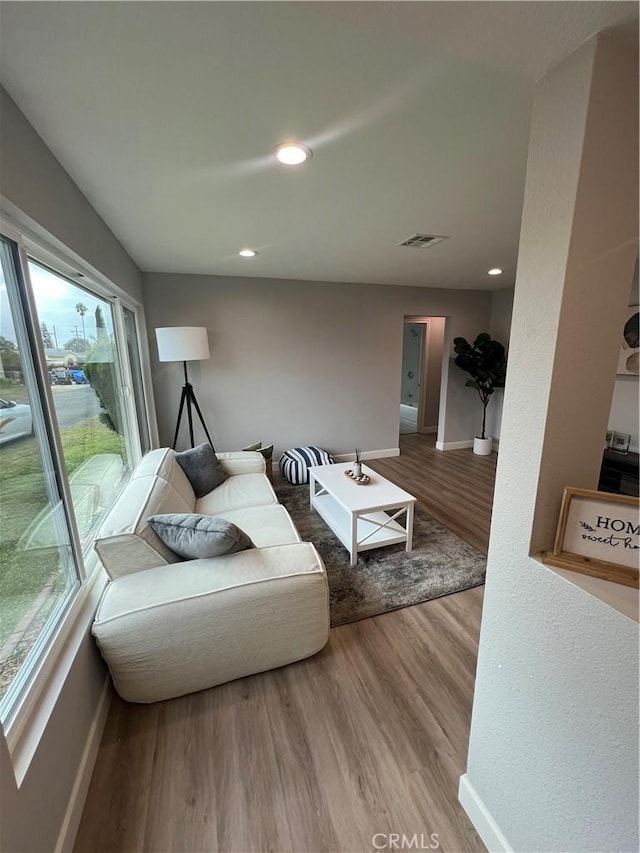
185, 343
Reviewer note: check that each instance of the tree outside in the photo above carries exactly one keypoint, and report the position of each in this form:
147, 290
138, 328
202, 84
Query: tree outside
47, 340
78, 345
10, 357
82, 309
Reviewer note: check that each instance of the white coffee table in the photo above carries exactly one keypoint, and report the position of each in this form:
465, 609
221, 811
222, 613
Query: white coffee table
362, 517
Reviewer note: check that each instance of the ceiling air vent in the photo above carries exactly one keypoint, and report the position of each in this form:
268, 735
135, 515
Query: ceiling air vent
422, 241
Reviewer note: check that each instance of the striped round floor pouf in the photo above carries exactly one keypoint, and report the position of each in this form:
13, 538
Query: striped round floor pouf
294, 463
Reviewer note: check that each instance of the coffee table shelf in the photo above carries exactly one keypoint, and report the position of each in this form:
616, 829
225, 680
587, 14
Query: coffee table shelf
361, 518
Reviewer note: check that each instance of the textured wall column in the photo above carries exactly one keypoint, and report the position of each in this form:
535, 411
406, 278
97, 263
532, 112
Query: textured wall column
553, 752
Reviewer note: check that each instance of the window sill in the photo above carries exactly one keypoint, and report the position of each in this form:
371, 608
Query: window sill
25, 730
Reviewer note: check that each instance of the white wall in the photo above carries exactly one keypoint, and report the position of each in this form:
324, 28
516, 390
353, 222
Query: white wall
37, 191
296, 362
461, 410
32, 814
501, 315
553, 754
500, 330
625, 406
433, 372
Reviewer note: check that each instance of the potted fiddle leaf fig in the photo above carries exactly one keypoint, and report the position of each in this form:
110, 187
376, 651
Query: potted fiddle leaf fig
486, 362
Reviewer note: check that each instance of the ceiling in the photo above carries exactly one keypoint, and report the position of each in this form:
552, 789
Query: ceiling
166, 115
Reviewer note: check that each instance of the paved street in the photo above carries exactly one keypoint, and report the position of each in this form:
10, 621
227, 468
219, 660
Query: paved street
74, 404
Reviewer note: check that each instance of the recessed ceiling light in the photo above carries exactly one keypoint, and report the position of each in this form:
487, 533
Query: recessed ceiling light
247, 253
495, 271
293, 153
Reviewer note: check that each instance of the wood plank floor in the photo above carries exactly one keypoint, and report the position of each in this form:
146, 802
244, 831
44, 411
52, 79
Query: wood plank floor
369, 736
455, 487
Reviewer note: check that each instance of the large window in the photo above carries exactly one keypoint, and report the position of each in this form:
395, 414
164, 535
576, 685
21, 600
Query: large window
72, 424
35, 582
87, 392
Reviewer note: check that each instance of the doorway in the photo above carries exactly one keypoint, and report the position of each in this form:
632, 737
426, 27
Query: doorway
421, 378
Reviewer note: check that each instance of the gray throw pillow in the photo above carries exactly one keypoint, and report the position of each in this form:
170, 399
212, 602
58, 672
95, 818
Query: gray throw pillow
202, 467
195, 537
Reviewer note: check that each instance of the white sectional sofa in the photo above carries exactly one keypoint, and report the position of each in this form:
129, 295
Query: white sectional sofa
166, 626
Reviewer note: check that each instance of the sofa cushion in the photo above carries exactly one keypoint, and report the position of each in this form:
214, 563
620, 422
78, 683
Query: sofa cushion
242, 462
202, 467
237, 491
195, 537
162, 462
184, 628
125, 543
266, 525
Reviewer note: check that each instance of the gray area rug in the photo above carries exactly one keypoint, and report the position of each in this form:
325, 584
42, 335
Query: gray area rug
386, 578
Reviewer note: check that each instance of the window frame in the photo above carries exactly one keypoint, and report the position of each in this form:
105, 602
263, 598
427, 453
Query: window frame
48, 439
30, 711
122, 367
145, 373
142, 338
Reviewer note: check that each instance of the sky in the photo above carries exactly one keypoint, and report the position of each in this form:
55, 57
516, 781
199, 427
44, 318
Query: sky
56, 300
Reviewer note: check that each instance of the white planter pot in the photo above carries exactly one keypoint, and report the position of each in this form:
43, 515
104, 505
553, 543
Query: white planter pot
482, 446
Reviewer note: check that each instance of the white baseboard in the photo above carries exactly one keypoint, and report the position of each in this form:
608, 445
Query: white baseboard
461, 445
366, 454
453, 445
71, 821
481, 818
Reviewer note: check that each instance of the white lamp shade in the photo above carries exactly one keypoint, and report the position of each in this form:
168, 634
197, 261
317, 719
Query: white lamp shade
182, 343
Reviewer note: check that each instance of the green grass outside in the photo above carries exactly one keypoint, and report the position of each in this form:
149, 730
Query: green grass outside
10, 390
24, 574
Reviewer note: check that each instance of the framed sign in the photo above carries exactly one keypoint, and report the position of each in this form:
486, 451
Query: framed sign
598, 535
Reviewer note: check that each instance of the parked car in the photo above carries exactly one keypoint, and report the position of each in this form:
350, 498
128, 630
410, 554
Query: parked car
78, 376
15, 420
60, 376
